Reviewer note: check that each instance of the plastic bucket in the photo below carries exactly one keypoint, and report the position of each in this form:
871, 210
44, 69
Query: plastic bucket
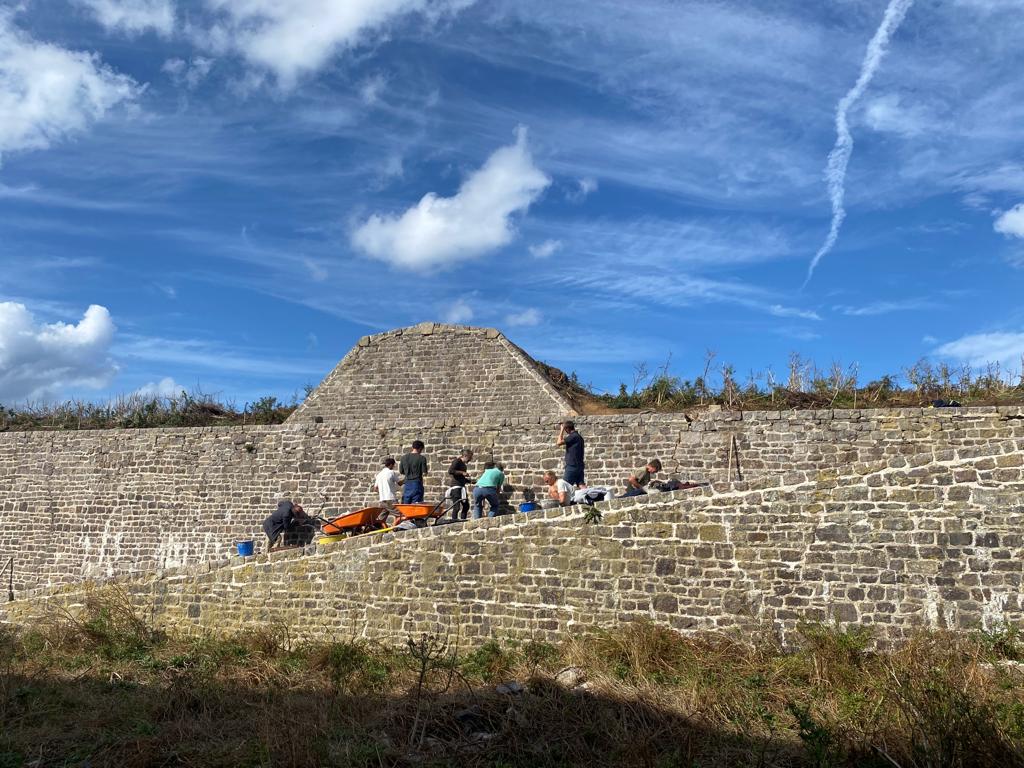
245, 548
528, 506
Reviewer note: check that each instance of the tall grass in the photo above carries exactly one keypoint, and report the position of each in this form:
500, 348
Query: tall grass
101, 687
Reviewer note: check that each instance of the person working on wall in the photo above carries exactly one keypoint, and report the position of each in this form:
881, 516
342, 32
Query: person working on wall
413, 468
487, 486
637, 481
573, 442
386, 482
282, 520
458, 474
558, 489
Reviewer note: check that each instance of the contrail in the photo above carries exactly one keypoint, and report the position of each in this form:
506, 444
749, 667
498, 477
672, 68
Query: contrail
839, 157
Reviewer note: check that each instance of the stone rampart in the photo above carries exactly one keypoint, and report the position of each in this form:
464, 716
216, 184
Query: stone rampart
75, 505
926, 539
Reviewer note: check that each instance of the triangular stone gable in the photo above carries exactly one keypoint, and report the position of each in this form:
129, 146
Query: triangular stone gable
433, 371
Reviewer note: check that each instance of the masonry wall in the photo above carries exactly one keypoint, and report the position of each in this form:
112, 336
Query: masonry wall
87, 504
922, 540
434, 371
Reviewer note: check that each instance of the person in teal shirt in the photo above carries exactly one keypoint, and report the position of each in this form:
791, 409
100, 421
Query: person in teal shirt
487, 486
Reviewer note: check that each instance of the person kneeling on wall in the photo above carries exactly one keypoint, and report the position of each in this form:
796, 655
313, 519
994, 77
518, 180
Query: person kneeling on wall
282, 520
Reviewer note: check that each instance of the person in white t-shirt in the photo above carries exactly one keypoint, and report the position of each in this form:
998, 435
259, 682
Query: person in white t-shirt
558, 489
386, 482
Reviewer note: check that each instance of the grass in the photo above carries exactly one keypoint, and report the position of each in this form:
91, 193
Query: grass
105, 689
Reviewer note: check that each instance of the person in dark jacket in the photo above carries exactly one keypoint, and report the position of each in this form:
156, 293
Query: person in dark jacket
282, 520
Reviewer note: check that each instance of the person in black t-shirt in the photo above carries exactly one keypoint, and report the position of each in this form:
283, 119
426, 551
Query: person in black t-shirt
573, 442
413, 467
458, 473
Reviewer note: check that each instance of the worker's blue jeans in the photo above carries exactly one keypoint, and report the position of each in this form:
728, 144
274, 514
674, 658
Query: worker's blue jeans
493, 501
412, 492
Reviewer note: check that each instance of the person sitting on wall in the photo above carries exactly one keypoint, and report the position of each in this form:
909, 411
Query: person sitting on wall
386, 482
558, 489
413, 468
487, 486
636, 482
282, 521
458, 473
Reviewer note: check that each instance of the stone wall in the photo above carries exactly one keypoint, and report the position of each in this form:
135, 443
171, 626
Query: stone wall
86, 504
927, 539
434, 371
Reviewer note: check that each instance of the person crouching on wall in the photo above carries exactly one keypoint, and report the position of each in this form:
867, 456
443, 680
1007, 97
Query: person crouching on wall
282, 521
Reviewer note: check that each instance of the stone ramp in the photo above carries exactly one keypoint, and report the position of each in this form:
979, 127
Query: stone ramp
921, 541
434, 371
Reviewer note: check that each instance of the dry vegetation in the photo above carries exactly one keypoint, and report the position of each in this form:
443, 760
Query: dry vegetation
803, 385
189, 409
105, 689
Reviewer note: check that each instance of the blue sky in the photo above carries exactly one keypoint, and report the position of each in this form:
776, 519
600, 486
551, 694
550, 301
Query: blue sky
228, 194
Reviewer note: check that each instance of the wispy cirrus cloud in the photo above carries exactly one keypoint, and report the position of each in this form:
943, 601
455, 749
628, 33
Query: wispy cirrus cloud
295, 38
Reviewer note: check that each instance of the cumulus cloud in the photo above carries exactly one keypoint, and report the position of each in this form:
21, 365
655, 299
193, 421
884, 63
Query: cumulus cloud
188, 74
1011, 222
546, 249
292, 38
166, 387
459, 312
439, 231
526, 317
48, 93
983, 348
37, 360
133, 17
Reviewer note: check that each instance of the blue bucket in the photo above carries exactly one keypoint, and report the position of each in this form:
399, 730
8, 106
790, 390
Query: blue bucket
245, 548
528, 506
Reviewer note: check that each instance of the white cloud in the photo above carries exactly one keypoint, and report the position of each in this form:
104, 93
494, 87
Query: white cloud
887, 114
583, 188
1011, 222
439, 231
133, 16
37, 360
459, 312
546, 249
983, 348
529, 316
316, 270
801, 314
188, 74
166, 387
839, 157
292, 38
48, 93
371, 89
884, 307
